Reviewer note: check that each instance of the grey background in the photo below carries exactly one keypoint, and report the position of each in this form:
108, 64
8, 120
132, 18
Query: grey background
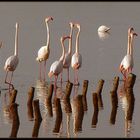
101, 59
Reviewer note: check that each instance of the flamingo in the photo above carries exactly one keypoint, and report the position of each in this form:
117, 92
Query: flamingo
57, 66
103, 28
76, 61
67, 58
44, 51
127, 64
12, 61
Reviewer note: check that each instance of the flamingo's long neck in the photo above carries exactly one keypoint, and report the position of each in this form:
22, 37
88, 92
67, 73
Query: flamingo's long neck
70, 41
16, 42
128, 45
131, 46
77, 42
63, 51
48, 36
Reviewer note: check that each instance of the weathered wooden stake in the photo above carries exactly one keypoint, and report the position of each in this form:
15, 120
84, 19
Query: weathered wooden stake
30, 103
30, 95
38, 118
50, 92
130, 80
131, 100
48, 100
99, 91
58, 110
37, 113
114, 101
85, 87
36, 129
13, 97
15, 118
79, 114
115, 84
68, 90
96, 110
84, 100
67, 105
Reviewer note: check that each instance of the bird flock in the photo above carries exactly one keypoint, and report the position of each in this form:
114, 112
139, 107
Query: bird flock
66, 59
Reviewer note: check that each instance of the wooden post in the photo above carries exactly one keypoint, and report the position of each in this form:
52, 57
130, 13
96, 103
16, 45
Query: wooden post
69, 86
115, 84
114, 101
67, 105
15, 118
84, 93
13, 97
36, 129
84, 100
58, 110
130, 80
131, 100
85, 87
96, 110
37, 113
38, 118
50, 92
30, 103
79, 114
99, 90
48, 100
66, 98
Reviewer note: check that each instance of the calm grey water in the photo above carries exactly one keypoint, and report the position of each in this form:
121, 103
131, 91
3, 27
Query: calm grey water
101, 59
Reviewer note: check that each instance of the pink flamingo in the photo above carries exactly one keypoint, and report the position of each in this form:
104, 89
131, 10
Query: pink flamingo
57, 66
76, 61
44, 51
12, 61
67, 58
127, 63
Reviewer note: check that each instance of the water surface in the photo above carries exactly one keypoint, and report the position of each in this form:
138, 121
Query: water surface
101, 59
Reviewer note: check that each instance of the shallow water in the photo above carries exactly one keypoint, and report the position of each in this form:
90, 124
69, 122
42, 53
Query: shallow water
101, 59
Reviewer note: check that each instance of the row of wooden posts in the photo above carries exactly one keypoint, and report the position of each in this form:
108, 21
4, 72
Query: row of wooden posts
81, 105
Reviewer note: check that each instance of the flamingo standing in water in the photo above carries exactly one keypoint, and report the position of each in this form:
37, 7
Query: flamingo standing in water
44, 51
57, 66
76, 61
127, 63
67, 58
12, 61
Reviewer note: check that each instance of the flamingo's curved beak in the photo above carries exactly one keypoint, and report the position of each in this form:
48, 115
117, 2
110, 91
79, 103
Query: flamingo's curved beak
135, 34
51, 18
107, 29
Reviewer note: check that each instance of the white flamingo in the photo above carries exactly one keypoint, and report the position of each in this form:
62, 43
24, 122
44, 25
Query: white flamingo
44, 51
76, 61
68, 55
57, 66
103, 28
127, 63
12, 61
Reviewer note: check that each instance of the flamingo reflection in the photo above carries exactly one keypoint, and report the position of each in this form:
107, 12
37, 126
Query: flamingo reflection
127, 99
77, 111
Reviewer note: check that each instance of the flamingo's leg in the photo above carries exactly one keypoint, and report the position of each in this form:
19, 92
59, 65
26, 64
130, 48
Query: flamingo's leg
68, 74
11, 80
40, 69
45, 70
76, 77
61, 75
55, 84
9, 83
